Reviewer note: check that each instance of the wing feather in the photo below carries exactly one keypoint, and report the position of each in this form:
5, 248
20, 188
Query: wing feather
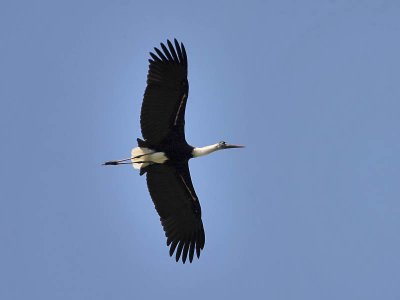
167, 54
172, 50
175, 200
165, 97
179, 51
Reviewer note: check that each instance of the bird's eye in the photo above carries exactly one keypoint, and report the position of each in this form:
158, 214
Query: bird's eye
222, 143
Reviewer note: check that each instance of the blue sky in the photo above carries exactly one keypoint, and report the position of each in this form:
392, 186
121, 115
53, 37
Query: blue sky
309, 210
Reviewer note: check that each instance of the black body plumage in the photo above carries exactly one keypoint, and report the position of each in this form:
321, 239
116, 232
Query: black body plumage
162, 123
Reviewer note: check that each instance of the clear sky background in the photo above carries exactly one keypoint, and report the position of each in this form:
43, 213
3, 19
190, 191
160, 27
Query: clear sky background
309, 210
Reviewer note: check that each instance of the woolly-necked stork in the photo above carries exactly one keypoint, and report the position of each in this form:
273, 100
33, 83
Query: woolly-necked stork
163, 155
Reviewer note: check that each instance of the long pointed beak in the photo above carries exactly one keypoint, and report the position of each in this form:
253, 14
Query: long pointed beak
227, 146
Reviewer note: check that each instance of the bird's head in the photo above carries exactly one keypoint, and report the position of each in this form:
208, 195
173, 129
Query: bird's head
223, 145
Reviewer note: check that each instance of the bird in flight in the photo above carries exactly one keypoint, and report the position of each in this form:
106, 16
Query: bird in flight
163, 154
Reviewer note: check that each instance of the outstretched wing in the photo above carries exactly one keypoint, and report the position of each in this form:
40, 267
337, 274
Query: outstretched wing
164, 102
172, 191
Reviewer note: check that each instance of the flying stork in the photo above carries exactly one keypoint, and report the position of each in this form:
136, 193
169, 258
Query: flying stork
164, 153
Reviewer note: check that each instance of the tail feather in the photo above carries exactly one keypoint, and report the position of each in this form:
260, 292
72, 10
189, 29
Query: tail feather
139, 154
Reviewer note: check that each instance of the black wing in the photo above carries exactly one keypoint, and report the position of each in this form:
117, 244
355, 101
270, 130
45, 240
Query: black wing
164, 102
172, 191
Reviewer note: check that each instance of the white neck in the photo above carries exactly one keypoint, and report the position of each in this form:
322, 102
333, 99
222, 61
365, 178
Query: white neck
204, 150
